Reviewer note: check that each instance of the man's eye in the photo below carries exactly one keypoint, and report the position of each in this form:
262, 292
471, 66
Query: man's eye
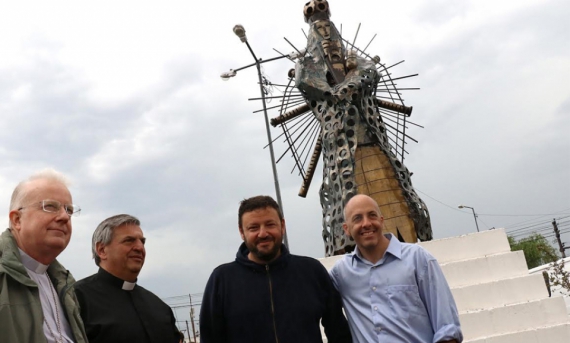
51, 207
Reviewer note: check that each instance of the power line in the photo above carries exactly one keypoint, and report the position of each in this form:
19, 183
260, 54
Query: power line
498, 215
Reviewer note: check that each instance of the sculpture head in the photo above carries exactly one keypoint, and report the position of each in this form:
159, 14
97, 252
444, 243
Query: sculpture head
323, 27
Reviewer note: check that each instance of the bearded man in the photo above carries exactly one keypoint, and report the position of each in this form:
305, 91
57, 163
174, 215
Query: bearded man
267, 294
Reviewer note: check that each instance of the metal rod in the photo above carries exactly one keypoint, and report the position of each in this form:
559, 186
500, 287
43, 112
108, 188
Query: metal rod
475, 216
400, 131
363, 51
292, 45
356, 35
272, 107
315, 126
259, 61
273, 97
385, 113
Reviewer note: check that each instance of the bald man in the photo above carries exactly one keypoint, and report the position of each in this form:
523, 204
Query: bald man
391, 291
37, 302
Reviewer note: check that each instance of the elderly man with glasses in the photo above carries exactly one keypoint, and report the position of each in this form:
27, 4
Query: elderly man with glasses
37, 302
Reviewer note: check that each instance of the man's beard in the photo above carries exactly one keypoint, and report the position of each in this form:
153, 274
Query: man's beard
266, 255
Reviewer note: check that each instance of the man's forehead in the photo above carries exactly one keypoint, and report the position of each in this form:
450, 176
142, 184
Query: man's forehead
44, 187
359, 205
266, 213
128, 230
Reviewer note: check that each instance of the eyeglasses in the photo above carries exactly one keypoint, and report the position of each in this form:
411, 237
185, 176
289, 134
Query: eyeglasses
54, 206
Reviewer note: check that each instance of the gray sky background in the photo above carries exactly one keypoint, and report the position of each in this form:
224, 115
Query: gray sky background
125, 98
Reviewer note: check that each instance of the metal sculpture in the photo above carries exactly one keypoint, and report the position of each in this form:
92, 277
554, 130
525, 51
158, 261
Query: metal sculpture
345, 98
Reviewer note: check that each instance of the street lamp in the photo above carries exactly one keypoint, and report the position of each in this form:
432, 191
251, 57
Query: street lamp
474, 215
240, 32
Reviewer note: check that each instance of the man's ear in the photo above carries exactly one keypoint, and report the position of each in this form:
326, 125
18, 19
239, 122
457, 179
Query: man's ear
101, 252
283, 228
15, 217
241, 234
345, 227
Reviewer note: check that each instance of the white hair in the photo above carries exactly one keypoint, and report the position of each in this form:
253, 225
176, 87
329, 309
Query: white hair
20, 192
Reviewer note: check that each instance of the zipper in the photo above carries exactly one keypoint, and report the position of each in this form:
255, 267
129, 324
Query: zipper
272, 306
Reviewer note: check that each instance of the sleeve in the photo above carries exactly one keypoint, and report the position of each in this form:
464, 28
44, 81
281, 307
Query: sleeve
333, 273
212, 326
439, 302
334, 321
176, 332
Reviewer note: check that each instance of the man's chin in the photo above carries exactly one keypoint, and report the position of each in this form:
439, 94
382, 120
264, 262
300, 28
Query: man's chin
266, 255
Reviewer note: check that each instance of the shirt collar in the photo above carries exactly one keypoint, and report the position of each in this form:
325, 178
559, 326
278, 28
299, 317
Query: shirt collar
395, 246
128, 286
394, 249
115, 281
32, 264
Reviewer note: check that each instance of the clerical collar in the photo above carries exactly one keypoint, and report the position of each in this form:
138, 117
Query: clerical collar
129, 286
115, 281
32, 264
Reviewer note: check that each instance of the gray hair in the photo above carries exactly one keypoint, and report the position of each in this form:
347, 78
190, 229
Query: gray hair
21, 192
104, 232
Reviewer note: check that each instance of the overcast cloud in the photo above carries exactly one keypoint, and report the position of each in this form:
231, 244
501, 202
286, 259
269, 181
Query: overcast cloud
125, 98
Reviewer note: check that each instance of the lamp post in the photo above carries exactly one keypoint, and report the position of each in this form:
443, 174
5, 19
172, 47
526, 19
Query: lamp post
474, 215
240, 32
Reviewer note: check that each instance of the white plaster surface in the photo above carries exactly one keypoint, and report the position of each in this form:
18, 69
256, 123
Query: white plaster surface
513, 318
546, 334
499, 293
485, 269
468, 246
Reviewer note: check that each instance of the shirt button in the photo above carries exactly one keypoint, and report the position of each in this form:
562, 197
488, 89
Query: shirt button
374, 288
375, 308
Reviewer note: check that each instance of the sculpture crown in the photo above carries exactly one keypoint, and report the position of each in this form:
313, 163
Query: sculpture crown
316, 10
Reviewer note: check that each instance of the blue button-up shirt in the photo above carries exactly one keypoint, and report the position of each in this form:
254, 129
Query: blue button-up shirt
404, 297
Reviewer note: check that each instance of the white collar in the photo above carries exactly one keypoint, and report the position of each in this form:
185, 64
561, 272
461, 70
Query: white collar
32, 264
129, 286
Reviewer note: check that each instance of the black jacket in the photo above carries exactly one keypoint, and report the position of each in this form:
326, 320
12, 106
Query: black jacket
114, 315
282, 302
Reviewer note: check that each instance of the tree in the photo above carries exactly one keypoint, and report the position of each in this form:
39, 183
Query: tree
537, 250
559, 276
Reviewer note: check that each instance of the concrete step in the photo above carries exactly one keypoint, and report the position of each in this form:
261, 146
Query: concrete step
329, 262
546, 334
468, 246
485, 269
513, 318
499, 293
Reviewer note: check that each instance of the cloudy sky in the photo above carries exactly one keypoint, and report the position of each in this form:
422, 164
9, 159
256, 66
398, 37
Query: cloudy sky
125, 99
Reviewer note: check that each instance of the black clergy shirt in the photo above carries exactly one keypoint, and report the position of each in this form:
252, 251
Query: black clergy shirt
114, 315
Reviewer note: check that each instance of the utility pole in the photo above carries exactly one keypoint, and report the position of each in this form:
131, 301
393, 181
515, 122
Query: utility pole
557, 234
192, 319
188, 331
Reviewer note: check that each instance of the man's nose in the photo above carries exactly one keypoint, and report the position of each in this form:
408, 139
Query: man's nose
139, 245
262, 231
62, 215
